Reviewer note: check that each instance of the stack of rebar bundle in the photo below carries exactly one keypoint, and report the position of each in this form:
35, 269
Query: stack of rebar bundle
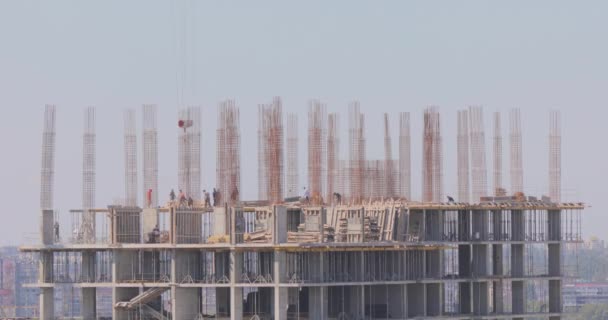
371, 229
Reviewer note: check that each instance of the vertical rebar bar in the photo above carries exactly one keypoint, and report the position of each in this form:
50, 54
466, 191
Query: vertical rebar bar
316, 149
292, 176
405, 168
517, 172
47, 172
555, 156
463, 156
150, 155
130, 146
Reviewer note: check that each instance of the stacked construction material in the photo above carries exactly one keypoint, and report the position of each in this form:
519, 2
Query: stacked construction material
303, 236
371, 229
342, 230
260, 236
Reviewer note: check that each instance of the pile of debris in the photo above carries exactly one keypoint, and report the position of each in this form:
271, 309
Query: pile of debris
303, 236
261, 236
223, 238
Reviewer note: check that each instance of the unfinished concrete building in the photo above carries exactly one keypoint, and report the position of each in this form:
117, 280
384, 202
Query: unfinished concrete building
372, 258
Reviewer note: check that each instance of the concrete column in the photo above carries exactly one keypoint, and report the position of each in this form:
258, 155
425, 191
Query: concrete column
186, 301
47, 234
219, 221
47, 304
89, 303
281, 301
554, 225
236, 293
554, 259
464, 290
45, 267
236, 303
555, 296
480, 260
517, 225
149, 221
498, 298
497, 260
280, 225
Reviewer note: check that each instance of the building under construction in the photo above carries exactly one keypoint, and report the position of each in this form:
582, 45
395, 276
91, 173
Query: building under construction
354, 245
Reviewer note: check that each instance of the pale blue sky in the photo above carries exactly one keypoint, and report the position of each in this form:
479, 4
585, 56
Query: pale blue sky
391, 55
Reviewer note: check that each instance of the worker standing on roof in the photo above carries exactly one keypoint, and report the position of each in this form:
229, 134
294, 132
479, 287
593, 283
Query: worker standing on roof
306, 195
338, 198
182, 197
172, 195
235, 194
214, 194
207, 199
149, 197
56, 228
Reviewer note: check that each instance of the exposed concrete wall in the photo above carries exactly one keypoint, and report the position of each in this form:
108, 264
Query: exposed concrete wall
185, 303
554, 259
434, 299
480, 298
88, 266
497, 260
518, 298
555, 296
517, 260
89, 303
416, 297
480, 260
517, 225
219, 221
149, 221
123, 265
186, 265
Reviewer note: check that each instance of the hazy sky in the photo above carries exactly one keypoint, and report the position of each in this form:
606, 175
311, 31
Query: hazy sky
392, 56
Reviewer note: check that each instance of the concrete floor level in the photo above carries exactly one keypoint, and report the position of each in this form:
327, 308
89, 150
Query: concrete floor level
381, 260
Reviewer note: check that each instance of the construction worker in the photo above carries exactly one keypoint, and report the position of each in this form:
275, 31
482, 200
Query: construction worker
149, 197
338, 198
207, 199
182, 198
235, 194
214, 194
306, 195
190, 202
172, 195
56, 228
